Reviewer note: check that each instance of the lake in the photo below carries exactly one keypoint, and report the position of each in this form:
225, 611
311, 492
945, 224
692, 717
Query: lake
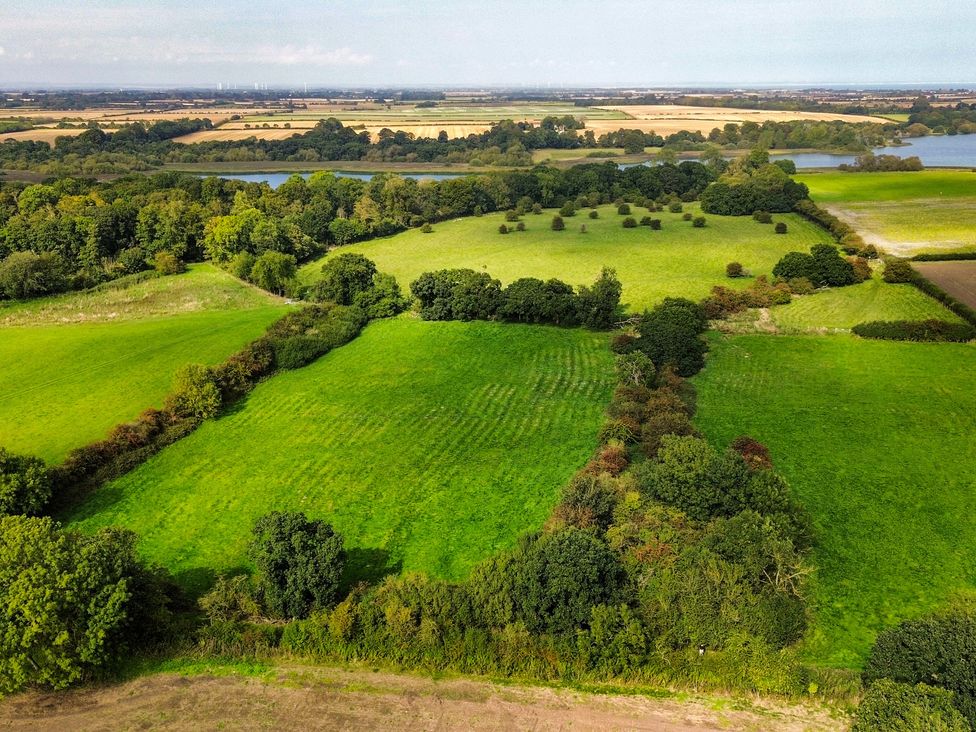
956, 151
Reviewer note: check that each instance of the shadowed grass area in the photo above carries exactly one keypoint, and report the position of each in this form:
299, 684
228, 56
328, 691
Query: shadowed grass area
878, 439
427, 445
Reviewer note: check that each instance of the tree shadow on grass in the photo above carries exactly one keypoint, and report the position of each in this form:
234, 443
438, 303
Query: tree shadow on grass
198, 581
368, 565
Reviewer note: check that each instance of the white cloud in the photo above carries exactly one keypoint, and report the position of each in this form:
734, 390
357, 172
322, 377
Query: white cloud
313, 56
2, 50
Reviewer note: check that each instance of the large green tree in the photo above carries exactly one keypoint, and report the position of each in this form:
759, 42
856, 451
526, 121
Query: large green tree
25, 485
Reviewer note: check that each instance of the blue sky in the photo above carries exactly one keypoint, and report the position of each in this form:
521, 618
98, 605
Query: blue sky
569, 42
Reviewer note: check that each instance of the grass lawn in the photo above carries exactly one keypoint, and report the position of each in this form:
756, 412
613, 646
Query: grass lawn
841, 308
879, 441
431, 445
679, 260
904, 212
63, 386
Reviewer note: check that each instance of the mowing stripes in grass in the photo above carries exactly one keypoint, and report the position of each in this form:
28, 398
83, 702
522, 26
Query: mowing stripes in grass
878, 439
428, 445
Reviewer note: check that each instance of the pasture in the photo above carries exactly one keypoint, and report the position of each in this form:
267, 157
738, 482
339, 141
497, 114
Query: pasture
77, 365
679, 260
841, 308
878, 440
429, 446
904, 213
956, 278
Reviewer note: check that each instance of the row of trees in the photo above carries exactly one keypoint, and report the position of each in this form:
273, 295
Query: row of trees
463, 294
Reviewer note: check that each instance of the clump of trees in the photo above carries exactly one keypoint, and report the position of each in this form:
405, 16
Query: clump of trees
871, 163
916, 330
823, 266
25, 485
752, 184
464, 294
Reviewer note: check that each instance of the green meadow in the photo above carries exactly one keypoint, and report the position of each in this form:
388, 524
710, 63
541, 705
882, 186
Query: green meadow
679, 260
429, 446
878, 439
76, 365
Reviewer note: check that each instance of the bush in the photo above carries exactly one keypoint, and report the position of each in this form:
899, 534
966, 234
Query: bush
698, 222
557, 223
231, 600
763, 217
457, 294
645, 221
656, 224
598, 305
520, 226
675, 207
686, 216
923, 330
589, 500
594, 214
275, 272
512, 215
755, 454
241, 265
892, 707
860, 268
195, 394
536, 208
623, 209
897, 271
25, 486
300, 562
343, 278
823, 266
733, 269
303, 335
568, 209
800, 286
26, 274
629, 223
167, 263
635, 368
383, 299
780, 227
131, 260
502, 229
426, 229
616, 641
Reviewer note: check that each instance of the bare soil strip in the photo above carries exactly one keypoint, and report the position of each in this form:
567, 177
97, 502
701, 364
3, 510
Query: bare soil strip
335, 699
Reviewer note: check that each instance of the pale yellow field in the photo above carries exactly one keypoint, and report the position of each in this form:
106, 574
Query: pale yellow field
221, 134
41, 134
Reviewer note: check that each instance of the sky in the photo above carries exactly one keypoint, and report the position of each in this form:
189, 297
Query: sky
488, 43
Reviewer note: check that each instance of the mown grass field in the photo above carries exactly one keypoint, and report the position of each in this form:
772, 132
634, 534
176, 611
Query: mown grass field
428, 445
76, 365
679, 260
878, 439
932, 210
841, 308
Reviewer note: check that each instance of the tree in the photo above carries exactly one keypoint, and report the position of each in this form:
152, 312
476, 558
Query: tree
274, 272
897, 271
70, 602
195, 393
26, 274
166, 263
25, 485
300, 562
780, 227
562, 576
733, 269
635, 368
344, 277
889, 706
795, 264
557, 223
671, 335
599, 303
383, 299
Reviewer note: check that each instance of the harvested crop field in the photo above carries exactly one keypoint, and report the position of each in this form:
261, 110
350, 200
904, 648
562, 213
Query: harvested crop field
323, 698
956, 278
42, 134
221, 134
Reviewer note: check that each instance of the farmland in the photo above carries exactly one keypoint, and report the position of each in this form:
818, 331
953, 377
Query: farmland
878, 439
76, 365
679, 260
956, 278
427, 445
904, 213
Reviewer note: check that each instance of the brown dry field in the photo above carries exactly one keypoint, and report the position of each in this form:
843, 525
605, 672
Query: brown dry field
333, 699
41, 134
220, 134
956, 278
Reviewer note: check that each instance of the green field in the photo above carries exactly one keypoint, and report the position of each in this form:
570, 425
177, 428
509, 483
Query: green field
841, 308
64, 385
679, 260
905, 213
433, 445
878, 439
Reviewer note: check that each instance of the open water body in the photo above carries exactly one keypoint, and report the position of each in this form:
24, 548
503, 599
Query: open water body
955, 151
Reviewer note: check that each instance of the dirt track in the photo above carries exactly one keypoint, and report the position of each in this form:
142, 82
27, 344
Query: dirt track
333, 699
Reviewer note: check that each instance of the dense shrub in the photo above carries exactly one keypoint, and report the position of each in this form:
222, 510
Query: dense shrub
195, 393
916, 330
733, 269
687, 216
623, 209
823, 266
303, 335
167, 263
698, 222
71, 602
512, 215
299, 561
780, 227
898, 271
567, 210
671, 335
520, 226
675, 207
502, 229
939, 650
598, 305
26, 274
594, 214
656, 224
25, 485
892, 707
629, 223
383, 299
131, 260
755, 454
765, 188
557, 223
645, 221
763, 217
343, 277
274, 272
860, 268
